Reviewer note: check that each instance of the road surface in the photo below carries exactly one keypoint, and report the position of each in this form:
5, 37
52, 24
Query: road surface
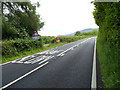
67, 66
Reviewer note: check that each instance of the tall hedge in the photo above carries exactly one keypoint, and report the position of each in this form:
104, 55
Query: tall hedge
107, 17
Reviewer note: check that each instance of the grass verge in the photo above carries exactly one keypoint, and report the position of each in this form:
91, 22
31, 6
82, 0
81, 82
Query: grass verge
108, 57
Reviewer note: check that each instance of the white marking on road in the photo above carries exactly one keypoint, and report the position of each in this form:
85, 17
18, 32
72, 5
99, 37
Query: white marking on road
93, 82
19, 62
27, 62
62, 55
23, 76
49, 57
23, 59
72, 48
13, 61
35, 61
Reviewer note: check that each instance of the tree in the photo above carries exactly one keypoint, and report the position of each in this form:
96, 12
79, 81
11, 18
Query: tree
20, 19
77, 33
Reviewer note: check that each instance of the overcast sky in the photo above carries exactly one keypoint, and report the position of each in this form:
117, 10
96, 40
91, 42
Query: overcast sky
65, 16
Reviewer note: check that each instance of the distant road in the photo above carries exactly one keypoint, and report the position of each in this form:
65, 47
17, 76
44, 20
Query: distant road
68, 66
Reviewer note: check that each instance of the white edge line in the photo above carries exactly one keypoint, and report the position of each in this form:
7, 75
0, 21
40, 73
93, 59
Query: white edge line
24, 76
93, 82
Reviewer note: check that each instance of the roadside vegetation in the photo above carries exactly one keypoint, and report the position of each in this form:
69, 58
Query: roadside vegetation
92, 33
19, 21
107, 17
17, 48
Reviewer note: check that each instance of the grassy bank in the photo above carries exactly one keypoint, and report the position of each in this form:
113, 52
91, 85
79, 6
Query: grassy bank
108, 57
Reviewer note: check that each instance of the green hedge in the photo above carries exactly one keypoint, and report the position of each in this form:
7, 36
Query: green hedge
52, 39
8, 48
12, 47
69, 38
48, 39
107, 17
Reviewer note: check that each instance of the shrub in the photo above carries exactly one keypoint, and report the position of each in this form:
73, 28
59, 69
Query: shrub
12, 47
8, 48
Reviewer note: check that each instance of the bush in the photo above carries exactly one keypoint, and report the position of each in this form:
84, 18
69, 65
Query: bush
8, 48
72, 38
12, 47
46, 39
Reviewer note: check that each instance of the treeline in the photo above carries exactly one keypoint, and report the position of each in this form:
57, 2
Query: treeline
19, 20
107, 17
94, 32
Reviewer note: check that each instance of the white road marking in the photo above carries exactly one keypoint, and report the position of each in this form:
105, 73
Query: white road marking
71, 48
23, 59
19, 62
34, 60
49, 57
27, 62
39, 60
93, 82
62, 55
13, 61
23, 76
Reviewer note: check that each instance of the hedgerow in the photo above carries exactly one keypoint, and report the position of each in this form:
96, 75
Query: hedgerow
13, 47
107, 17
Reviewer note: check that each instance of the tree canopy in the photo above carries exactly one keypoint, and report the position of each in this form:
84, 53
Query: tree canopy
77, 33
19, 19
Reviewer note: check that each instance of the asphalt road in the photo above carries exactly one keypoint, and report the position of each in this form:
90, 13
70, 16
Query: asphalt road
68, 66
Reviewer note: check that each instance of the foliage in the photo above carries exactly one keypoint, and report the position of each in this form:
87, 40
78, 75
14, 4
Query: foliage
77, 33
94, 33
107, 17
8, 48
68, 39
19, 20
13, 47
33, 51
48, 39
